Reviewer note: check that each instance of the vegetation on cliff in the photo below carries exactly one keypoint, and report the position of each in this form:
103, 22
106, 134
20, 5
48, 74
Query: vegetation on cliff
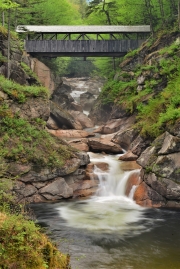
22, 243
147, 84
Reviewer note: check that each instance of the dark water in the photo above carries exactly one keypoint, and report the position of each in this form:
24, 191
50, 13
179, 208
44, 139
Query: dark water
150, 241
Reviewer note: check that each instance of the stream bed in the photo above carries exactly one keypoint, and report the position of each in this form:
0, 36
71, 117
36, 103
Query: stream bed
109, 230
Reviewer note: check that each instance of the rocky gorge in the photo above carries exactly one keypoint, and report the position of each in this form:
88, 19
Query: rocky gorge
74, 112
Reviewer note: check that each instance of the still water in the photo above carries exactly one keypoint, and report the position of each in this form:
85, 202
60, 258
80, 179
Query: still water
110, 231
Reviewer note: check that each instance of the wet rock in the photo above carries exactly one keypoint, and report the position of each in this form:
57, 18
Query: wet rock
82, 118
87, 100
70, 133
128, 156
75, 106
139, 144
80, 144
85, 192
125, 138
129, 165
171, 144
147, 197
133, 180
84, 158
56, 190
103, 145
165, 187
61, 96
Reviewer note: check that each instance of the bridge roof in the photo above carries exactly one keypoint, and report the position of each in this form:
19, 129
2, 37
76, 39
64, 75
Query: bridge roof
92, 29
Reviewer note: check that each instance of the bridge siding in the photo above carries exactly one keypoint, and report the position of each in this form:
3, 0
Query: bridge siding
63, 47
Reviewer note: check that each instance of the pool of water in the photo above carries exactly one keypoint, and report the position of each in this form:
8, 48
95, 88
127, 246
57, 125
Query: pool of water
109, 230
110, 234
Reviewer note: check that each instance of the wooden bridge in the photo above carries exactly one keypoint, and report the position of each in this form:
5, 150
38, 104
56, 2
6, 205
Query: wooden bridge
82, 41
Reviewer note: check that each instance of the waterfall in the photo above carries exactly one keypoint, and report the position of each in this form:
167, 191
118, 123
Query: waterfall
112, 183
109, 210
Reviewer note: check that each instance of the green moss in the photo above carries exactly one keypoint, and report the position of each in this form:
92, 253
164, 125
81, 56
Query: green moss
154, 105
131, 54
29, 72
20, 93
28, 142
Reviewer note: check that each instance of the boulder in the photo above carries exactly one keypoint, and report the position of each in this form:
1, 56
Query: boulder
43, 73
63, 118
82, 118
161, 169
75, 106
87, 100
147, 197
115, 125
165, 187
80, 144
51, 124
171, 144
128, 156
61, 96
103, 145
139, 144
125, 138
70, 133
56, 190
83, 157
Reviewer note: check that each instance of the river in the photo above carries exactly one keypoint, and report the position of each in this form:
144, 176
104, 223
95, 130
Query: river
110, 231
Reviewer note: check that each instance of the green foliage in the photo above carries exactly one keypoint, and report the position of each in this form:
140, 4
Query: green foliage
29, 72
21, 93
23, 246
25, 142
131, 53
2, 58
114, 90
172, 49
164, 109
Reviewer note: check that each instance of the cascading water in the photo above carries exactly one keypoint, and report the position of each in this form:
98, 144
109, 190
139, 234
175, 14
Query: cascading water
109, 210
113, 183
109, 231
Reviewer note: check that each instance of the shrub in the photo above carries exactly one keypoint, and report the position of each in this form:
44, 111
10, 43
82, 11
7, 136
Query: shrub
23, 246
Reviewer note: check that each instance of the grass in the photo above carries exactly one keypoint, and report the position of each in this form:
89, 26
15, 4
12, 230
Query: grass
28, 142
29, 72
20, 93
156, 106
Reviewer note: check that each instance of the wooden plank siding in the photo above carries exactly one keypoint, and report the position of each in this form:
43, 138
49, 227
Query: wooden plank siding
54, 48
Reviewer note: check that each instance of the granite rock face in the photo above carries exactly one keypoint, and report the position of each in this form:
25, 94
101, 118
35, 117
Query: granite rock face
37, 184
160, 174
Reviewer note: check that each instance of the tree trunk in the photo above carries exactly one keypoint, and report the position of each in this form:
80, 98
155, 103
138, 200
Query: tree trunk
9, 40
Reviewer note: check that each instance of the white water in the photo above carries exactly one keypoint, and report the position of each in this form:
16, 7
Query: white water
109, 210
76, 95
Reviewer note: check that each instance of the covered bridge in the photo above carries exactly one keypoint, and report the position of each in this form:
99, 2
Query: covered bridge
84, 41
